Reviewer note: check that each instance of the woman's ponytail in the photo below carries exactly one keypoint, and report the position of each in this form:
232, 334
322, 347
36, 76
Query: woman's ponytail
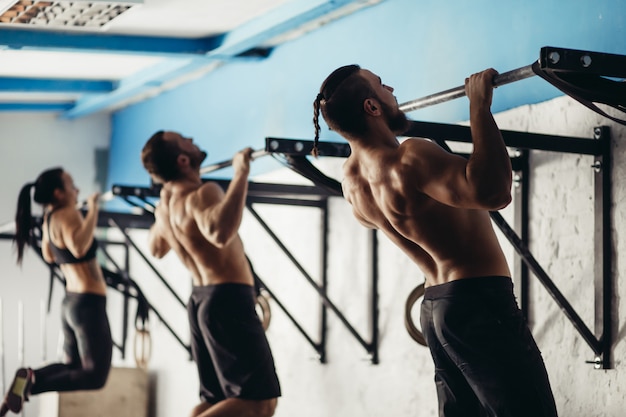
23, 221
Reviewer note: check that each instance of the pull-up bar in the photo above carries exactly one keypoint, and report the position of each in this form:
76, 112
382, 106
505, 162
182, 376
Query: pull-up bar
588, 77
224, 164
458, 92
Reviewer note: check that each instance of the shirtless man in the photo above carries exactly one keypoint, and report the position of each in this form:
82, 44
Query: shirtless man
200, 222
435, 206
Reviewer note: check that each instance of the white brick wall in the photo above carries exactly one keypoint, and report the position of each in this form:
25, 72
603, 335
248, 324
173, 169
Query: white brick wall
561, 238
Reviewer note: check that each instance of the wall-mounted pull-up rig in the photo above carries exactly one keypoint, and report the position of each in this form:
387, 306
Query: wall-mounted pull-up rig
589, 77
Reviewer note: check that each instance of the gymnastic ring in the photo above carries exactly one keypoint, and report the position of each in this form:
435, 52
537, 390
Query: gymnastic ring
408, 319
142, 348
263, 308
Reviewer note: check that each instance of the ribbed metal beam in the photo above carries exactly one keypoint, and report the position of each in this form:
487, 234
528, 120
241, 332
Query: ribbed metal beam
54, 85
94, 42
44, 107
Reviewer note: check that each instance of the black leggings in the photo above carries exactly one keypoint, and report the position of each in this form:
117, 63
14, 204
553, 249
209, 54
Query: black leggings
88, 347
486, 360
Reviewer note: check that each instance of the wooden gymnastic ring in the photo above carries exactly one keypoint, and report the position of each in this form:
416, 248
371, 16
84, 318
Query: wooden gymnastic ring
142, 357
263, 308
408, 319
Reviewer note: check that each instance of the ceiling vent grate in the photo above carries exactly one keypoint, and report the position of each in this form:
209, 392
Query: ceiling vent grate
64, 14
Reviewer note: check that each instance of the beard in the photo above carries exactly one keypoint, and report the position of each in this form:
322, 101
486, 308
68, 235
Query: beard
396, 119
196, 159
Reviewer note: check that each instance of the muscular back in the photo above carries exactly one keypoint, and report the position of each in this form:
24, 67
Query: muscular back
180, 225
404, 192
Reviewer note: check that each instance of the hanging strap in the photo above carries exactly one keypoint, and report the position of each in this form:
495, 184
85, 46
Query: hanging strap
588, 89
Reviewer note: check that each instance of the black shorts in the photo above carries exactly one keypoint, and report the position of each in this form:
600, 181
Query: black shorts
228, 344
486, 360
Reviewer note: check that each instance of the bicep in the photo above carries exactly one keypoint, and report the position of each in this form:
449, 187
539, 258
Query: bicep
71, 223
203, 205
46, 251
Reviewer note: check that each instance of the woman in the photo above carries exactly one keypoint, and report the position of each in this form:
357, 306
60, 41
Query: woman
67, 240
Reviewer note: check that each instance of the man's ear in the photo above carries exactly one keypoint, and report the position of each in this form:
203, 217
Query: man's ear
372, 107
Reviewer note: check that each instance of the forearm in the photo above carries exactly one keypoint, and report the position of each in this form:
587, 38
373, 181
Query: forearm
156, 245
489, 166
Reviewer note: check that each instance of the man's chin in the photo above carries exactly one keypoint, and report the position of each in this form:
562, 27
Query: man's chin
401, 127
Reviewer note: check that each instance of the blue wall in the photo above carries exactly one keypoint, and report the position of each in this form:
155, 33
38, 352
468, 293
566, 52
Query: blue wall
418, 47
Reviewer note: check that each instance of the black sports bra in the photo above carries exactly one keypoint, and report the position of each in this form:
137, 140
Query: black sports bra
64, 256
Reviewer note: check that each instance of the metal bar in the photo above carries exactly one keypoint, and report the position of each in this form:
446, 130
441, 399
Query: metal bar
2, 358
315, 346
374, 306
457, 92
126, 220
582, 62
287, 201
254, 190
521, 211
603, 248
311, 281
299, 147
51, 85
512, 139
126, 299
145, 258
98, 42
224, 164
323, 328
146, 206
543, 277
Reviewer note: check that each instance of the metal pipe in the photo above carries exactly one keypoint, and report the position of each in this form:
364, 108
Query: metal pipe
224, 164
458, 92
2, 362
20, 332
104, 197
42, 318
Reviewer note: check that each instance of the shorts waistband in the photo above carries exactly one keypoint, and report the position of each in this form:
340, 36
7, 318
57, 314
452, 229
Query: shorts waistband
467, 286
84, 295
200, 289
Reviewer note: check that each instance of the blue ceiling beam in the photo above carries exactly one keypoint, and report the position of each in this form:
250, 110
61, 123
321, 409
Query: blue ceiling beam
54, 85
95, 42
280, 21
146, 83
45, 107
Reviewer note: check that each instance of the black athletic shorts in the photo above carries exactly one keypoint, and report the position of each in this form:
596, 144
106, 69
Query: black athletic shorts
486, 360
228, 344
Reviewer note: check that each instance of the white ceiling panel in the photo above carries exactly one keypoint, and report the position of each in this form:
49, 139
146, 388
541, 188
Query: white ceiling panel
94, 66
